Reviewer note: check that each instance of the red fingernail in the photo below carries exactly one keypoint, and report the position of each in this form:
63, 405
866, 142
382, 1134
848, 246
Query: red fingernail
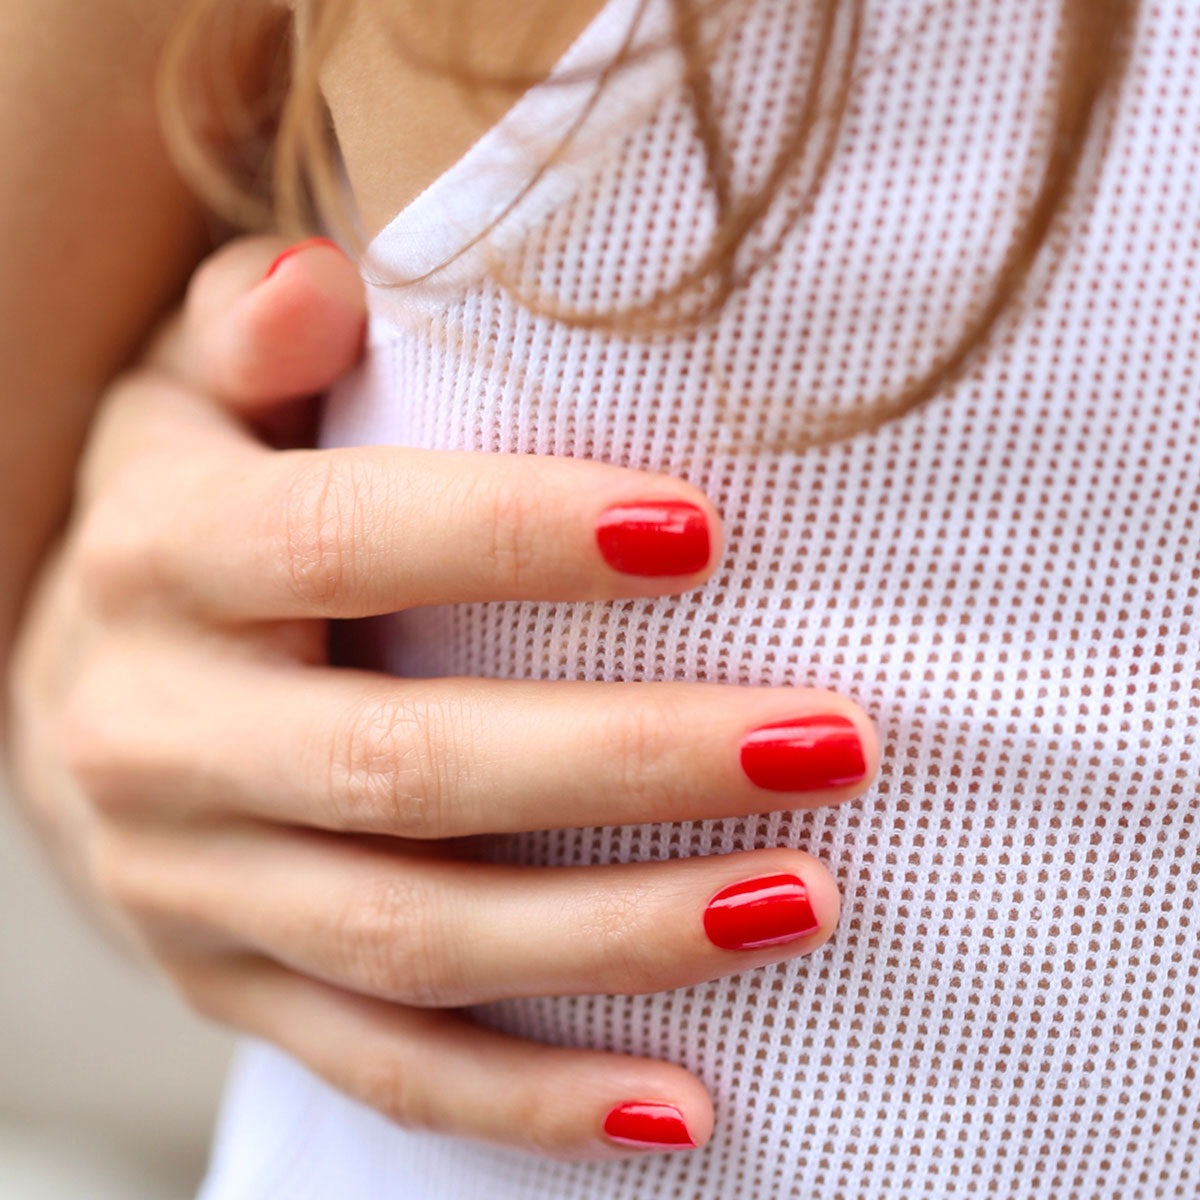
760, 912
299, 248
659, 537
649, 1124
804, 755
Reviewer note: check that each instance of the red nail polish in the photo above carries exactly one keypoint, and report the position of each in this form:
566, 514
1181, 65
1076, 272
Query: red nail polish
766, 911
299, 248
804, 755
649, 1124
658, 537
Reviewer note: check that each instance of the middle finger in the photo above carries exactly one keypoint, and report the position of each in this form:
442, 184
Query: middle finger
350, 751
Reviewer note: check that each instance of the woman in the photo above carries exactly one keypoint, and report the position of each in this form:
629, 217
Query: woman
919, 1055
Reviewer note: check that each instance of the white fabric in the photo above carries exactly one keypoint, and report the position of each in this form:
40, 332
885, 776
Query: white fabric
1006, 580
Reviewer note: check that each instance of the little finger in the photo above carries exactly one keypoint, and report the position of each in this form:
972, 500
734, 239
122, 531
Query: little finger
441, 1072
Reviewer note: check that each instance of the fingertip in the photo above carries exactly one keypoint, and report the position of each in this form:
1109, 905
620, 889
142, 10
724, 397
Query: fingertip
856, 720
316, 269
297, 248
716, 530
298, 330
773, 904
265, 323
696, 1105
667, 1110
589, 1106
871, 745
716, 533
823, 894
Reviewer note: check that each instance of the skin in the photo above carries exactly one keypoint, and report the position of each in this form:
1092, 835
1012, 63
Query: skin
289, 842
89, 207
399, 125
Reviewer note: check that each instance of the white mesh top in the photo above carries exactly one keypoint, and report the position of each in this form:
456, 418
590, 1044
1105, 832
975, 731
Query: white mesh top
1007, 580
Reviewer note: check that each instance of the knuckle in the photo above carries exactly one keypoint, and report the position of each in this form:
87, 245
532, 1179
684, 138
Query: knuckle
540, 1122
385, 1083
534, 1120
200, 989
98, 744
387, 769
509, 517
324, 505
123, 544
398, 766
393, 938
642, 745
117, 874
109, 440
114, 561
629, 958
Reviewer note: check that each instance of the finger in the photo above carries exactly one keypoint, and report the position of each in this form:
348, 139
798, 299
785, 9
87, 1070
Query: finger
438, 933
152, 440
351, 533
436, 758
440, 1072
266, 321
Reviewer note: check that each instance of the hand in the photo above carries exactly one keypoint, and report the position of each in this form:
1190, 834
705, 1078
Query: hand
290, 841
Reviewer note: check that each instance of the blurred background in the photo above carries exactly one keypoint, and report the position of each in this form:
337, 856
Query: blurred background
108, 1087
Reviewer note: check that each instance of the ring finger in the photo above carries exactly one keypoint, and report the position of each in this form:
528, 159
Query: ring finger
439, 1071
437, 933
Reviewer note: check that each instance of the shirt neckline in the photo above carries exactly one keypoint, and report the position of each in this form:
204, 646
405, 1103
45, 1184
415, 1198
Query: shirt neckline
553, 135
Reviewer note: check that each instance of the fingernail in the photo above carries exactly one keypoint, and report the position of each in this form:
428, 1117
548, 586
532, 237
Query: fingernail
299, 248
658, 537
805, 754
648, 1124
766, 911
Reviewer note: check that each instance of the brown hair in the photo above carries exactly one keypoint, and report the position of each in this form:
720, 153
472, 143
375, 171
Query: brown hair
259, 148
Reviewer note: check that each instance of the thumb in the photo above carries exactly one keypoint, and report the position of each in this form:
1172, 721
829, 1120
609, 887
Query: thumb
264, 323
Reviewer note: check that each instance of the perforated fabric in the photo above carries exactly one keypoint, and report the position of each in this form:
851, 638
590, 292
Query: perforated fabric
1006, 580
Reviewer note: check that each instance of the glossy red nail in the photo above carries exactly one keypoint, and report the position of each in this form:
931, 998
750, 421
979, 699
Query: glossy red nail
766, 911
649, 1124
658, 537
806, 754
299, 248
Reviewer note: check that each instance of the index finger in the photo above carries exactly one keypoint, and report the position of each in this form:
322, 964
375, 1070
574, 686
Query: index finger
358, 532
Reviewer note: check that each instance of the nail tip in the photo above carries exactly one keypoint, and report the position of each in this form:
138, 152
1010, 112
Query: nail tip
634, 1144
298, 248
